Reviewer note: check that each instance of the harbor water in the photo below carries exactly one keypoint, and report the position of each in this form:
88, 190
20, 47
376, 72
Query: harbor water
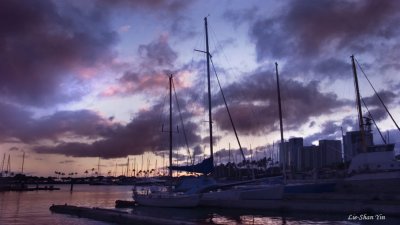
32, 207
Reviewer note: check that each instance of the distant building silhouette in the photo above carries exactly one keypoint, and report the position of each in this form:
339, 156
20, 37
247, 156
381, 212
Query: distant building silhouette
353, 145
305, 158
330, 152
308, 158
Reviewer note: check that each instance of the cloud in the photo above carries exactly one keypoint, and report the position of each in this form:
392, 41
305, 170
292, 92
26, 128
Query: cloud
142, 134
387, 97
66, 161
150, 75
170, 7
376, 108
18, 124
44, 46
238, 17
254, 106
157, 53
332, 130
312, 35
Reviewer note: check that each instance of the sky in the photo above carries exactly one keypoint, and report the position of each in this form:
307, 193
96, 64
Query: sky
84, 84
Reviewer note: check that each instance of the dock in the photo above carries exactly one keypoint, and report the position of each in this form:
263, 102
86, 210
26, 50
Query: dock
24, 188
124, 204
113, 216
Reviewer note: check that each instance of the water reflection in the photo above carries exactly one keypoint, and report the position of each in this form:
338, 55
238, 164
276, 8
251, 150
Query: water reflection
238, 216
24, 208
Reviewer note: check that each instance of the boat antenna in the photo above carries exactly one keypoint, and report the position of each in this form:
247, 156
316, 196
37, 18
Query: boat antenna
358, 102
280, 122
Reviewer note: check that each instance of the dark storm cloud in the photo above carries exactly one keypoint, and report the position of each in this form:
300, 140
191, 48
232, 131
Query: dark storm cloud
157, 53
254, 108
167, 6
238, 17
150, 75
142, 134
387, 97
43, 43
183, 27
332, 68
313, 34
164, 10
73, 124
19, 124
375, 107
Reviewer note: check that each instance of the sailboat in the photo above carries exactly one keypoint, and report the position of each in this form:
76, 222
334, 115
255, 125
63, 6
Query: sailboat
213, 194
205, 189
297, 187
375, 168
167, 197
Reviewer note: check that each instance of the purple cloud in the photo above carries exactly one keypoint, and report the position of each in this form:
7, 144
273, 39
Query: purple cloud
44, 45
311, 35
254, 108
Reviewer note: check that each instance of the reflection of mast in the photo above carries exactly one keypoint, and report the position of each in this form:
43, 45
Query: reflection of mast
8, 164
280, 122
134, 167
2, 164
358, 102
127, 168
23, 161
98, 167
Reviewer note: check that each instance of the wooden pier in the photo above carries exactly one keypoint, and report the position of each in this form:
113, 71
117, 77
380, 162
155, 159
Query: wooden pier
113, 216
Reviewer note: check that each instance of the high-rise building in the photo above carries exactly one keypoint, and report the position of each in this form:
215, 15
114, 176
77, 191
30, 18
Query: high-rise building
330, 153
290, 153
308, 159
305, 158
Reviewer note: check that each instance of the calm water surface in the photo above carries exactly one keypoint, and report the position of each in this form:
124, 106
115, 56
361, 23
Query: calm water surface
26, 208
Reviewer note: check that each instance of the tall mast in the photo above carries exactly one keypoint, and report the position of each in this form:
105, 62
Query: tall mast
209, 89
280, 121
170, 125
358, 101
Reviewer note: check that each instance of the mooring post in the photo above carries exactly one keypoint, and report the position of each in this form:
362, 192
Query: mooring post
72, 185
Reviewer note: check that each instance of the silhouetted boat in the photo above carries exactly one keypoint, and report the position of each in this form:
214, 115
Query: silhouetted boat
166, 197
375, 169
